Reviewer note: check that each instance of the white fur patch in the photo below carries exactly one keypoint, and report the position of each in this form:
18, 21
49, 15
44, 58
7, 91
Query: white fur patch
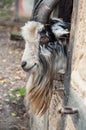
30, 31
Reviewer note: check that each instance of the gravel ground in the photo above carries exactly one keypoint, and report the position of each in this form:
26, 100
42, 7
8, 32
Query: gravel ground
12, 113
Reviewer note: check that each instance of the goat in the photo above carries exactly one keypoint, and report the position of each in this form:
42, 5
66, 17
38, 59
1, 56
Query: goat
45, 55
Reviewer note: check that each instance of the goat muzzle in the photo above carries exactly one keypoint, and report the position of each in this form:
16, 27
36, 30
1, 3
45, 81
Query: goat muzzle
27, 69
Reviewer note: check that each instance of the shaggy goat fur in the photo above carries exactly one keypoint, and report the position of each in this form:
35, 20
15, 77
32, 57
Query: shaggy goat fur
43, 60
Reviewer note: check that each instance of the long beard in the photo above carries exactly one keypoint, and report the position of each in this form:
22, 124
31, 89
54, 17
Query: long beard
39, 90
40, 87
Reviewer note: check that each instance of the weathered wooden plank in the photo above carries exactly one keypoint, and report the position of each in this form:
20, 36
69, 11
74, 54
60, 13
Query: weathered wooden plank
70, 52
79, 119
77, 97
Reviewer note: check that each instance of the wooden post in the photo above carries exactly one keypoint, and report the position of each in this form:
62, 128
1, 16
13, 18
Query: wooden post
77, 96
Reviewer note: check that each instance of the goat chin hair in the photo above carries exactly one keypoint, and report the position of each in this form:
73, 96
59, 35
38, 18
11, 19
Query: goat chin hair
39, 88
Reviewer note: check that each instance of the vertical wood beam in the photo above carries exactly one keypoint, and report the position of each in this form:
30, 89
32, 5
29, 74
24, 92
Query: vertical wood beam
77, 95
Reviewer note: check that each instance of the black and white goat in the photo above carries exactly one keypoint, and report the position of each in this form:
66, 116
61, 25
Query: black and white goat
45, 55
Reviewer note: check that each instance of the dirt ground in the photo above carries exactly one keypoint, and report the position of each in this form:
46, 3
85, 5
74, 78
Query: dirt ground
12, 77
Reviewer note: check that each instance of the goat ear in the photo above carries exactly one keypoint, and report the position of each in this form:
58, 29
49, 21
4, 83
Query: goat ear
59, 33
59, 27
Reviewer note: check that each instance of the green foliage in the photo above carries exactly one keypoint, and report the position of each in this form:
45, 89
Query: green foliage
22, 91
16, 94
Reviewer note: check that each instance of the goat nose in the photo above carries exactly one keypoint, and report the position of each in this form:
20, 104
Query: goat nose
23, 64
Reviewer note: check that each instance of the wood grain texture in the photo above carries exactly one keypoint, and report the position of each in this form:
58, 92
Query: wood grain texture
77, 97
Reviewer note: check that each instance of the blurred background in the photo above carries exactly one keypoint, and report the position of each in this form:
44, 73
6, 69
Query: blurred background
15, 9
13, 15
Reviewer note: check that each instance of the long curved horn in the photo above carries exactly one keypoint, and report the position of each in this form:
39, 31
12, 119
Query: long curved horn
43, 9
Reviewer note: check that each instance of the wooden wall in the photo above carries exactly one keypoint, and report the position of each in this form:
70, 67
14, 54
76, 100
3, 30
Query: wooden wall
77, 96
